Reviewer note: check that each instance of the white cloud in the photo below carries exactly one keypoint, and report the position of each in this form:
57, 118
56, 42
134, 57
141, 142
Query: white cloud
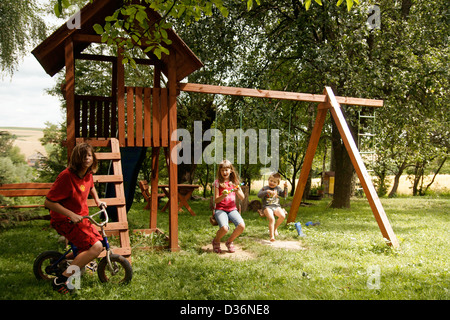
23, 100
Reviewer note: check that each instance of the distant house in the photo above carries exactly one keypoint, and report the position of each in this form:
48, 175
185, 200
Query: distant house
35, 160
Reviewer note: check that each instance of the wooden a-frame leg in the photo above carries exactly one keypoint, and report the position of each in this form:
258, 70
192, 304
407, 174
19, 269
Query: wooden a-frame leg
360, 168
307, 163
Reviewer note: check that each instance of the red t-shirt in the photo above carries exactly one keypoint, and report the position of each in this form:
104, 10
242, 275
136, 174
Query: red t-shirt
71, 192
229, 203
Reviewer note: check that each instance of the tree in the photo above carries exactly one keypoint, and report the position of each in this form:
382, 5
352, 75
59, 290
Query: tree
13, 167
22, 27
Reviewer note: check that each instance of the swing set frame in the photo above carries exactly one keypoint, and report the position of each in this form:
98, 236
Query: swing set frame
326, 101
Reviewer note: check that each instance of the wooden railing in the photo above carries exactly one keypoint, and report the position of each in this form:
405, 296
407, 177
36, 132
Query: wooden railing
95, 117
140, 118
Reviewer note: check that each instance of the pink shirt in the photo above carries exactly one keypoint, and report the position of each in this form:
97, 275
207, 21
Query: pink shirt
229, 203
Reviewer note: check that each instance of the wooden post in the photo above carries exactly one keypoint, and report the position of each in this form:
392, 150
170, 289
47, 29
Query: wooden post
360, 168
307, 163
173, 170
120, 97
154, 187
70, 95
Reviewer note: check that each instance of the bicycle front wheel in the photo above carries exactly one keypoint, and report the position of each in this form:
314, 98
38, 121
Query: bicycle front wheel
121, 273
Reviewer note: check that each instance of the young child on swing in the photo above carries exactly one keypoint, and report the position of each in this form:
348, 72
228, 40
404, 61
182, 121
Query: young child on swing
226, 188
271, 203
67, 202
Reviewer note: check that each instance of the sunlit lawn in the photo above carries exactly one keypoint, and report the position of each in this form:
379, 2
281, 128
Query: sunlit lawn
345, 257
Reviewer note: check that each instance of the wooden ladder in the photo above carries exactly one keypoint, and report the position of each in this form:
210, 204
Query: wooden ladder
120, 227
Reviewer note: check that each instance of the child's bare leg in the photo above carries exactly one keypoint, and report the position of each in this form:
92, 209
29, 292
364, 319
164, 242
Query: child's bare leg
85, 257
271, 218
281, 216
220, 233
237, 231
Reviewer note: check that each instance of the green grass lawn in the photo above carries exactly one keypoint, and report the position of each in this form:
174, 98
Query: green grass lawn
343, 257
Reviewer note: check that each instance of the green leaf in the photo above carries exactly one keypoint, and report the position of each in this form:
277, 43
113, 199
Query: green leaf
249, 5
98, 28
163, 33
307, 4
141, 16
319, 2
57, 9
339, 2
349, 4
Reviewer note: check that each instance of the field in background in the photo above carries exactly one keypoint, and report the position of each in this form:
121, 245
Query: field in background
27, 139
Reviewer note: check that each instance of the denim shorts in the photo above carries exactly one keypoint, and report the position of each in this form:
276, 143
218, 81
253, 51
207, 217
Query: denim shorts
222, 217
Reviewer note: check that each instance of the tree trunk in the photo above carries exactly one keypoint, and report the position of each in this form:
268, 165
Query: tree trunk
344, 171
394, 189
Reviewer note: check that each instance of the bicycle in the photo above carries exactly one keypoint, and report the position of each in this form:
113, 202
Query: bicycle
111, 268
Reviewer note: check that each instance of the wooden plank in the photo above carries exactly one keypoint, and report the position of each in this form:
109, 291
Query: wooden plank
154, 187
107, 178
173, 169
24, 192
78, 37
118, 201
77, 113
130, 116
156, 117
147, 117
99, 118
164, 118
307, 163
360, 168
273, 94
104, 142
30, 185
121, 97
107, 155
70, 95
139, 117
92, 119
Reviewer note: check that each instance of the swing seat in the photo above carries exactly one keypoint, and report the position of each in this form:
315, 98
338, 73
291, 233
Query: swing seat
212, 219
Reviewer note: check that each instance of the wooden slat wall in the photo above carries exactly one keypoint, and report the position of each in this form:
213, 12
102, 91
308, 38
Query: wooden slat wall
142, 117
145, 118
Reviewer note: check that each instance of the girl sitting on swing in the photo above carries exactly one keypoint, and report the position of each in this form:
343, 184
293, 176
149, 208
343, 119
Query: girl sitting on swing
226, 188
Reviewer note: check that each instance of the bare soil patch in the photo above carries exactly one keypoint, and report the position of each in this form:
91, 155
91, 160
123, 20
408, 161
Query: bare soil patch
240, 254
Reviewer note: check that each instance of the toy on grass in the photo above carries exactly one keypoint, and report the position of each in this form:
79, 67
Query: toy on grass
312, 224
298, 226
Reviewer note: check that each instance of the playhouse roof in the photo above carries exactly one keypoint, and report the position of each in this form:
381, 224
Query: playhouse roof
51, 55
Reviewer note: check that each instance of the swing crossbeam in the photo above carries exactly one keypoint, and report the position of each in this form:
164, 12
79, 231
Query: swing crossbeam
273, 94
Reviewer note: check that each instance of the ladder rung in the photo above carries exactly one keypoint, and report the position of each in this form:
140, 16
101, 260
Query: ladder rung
367, 134
367, 116
107, 178
107, 155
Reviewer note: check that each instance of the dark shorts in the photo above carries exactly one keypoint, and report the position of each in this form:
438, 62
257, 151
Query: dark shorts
83, 235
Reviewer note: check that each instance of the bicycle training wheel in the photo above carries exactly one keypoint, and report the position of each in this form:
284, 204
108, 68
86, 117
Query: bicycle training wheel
122, 272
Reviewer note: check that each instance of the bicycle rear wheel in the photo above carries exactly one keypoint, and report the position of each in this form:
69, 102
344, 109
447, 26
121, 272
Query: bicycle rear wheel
43, 268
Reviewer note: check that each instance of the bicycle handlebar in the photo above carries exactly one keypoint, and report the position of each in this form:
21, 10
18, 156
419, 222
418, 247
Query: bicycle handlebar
91, 217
